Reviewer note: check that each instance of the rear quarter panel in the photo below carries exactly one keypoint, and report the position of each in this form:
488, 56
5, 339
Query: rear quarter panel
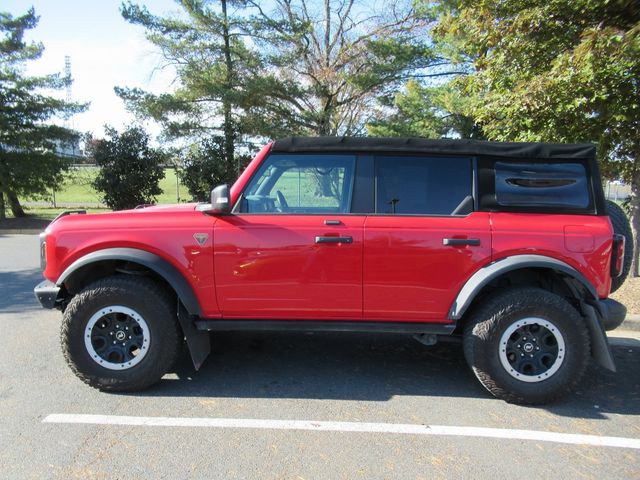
582, 241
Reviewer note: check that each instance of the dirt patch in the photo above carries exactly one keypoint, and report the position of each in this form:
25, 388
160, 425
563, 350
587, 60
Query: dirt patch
25, 223
629, 295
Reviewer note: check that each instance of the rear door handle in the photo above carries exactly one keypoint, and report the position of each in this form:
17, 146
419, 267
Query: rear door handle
454, 242
334, 239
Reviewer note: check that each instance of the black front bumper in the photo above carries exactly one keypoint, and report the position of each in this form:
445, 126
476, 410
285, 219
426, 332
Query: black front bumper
47, 293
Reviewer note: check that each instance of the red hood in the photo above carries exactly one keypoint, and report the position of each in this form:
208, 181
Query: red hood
154, 216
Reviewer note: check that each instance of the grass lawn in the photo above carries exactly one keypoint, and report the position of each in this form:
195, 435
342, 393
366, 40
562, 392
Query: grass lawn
77, 188
77, 193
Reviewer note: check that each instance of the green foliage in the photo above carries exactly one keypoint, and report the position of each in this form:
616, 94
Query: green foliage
205, 167
426, 111
555, 70
327, 66
29, 164
290, 69
195, 45
130, 170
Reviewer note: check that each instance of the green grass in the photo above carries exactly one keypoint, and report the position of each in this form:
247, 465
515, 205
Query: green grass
300, 189
77, 189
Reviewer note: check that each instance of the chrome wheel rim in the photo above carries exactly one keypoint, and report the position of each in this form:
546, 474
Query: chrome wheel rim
532, 349
117, 337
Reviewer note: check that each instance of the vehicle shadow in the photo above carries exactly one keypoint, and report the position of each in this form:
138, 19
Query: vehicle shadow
373, 367
17, 290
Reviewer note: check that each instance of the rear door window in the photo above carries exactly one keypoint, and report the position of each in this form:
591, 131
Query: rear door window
423, 185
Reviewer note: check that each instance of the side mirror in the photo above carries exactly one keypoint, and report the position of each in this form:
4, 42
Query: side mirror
220, 199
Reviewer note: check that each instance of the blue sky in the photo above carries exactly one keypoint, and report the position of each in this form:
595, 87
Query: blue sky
105, 51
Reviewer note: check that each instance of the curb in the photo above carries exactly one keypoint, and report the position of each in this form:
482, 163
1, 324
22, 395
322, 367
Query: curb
21, 231
631, 322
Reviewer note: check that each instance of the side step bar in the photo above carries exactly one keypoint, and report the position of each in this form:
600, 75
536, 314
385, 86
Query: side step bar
323, 326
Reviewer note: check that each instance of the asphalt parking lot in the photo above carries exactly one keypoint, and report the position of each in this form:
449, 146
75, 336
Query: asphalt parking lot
296, 406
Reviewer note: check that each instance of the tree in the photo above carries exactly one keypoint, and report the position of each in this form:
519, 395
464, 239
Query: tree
130, 170
425, 111
210, 61
29, 164
289, 70
558, 70
204, 167
328, 65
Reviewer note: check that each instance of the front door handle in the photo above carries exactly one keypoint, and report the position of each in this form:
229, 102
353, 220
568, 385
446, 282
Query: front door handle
334, 239
455, 242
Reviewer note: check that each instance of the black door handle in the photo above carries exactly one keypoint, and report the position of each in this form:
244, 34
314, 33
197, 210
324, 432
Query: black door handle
334, 239
454, 242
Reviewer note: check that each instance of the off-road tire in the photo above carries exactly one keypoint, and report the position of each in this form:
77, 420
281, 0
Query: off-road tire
495, 315
154, 305
621, 226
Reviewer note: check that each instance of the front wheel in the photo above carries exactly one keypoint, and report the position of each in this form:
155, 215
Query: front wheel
527, 345
121, 333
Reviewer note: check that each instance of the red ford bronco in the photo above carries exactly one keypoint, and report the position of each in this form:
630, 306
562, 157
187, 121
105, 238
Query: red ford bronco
508, 246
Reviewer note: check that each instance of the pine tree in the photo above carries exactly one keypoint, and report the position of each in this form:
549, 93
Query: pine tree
29, 164
287, 70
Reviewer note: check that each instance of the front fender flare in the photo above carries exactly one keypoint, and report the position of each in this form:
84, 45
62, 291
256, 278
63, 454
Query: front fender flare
150, 260
492, 271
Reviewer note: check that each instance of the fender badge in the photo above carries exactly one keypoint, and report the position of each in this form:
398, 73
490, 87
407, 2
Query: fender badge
201, 238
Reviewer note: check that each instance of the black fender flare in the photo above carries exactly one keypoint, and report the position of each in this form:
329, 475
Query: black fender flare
149, 260
485, 275
600, 350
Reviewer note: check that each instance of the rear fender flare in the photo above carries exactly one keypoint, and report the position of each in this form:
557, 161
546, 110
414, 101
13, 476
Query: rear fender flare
485, 275
600, 350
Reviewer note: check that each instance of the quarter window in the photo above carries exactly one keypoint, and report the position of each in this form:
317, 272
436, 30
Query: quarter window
423, 185
542, 185
301, 184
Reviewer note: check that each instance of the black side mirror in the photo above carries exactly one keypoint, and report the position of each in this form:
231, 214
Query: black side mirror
220, 199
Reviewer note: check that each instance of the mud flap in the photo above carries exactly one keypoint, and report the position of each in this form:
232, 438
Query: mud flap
198, 342
600, 349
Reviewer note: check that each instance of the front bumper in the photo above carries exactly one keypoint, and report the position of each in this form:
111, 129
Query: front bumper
47, 293
613, 313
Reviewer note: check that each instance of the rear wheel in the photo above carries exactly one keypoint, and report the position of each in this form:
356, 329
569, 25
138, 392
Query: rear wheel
120, 333
527, 345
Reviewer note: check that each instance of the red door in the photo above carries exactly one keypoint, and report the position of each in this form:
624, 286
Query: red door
414, 266
289, 266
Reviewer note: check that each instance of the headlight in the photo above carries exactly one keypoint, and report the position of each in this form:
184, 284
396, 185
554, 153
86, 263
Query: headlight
43, 250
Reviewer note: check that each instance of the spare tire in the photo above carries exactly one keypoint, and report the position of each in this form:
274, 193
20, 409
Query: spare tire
621, 226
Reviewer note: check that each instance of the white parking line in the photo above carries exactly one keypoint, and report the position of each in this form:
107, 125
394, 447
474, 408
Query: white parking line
397, 428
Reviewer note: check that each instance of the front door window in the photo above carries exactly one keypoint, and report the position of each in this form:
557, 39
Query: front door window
320, 184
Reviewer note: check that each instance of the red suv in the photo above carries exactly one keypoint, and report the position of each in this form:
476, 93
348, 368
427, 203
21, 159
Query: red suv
507, 246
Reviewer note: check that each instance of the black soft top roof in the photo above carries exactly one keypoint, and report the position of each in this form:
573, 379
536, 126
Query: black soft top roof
437, 147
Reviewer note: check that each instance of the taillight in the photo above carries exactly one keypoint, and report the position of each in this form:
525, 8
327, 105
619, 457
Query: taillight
43, 250
617, 255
